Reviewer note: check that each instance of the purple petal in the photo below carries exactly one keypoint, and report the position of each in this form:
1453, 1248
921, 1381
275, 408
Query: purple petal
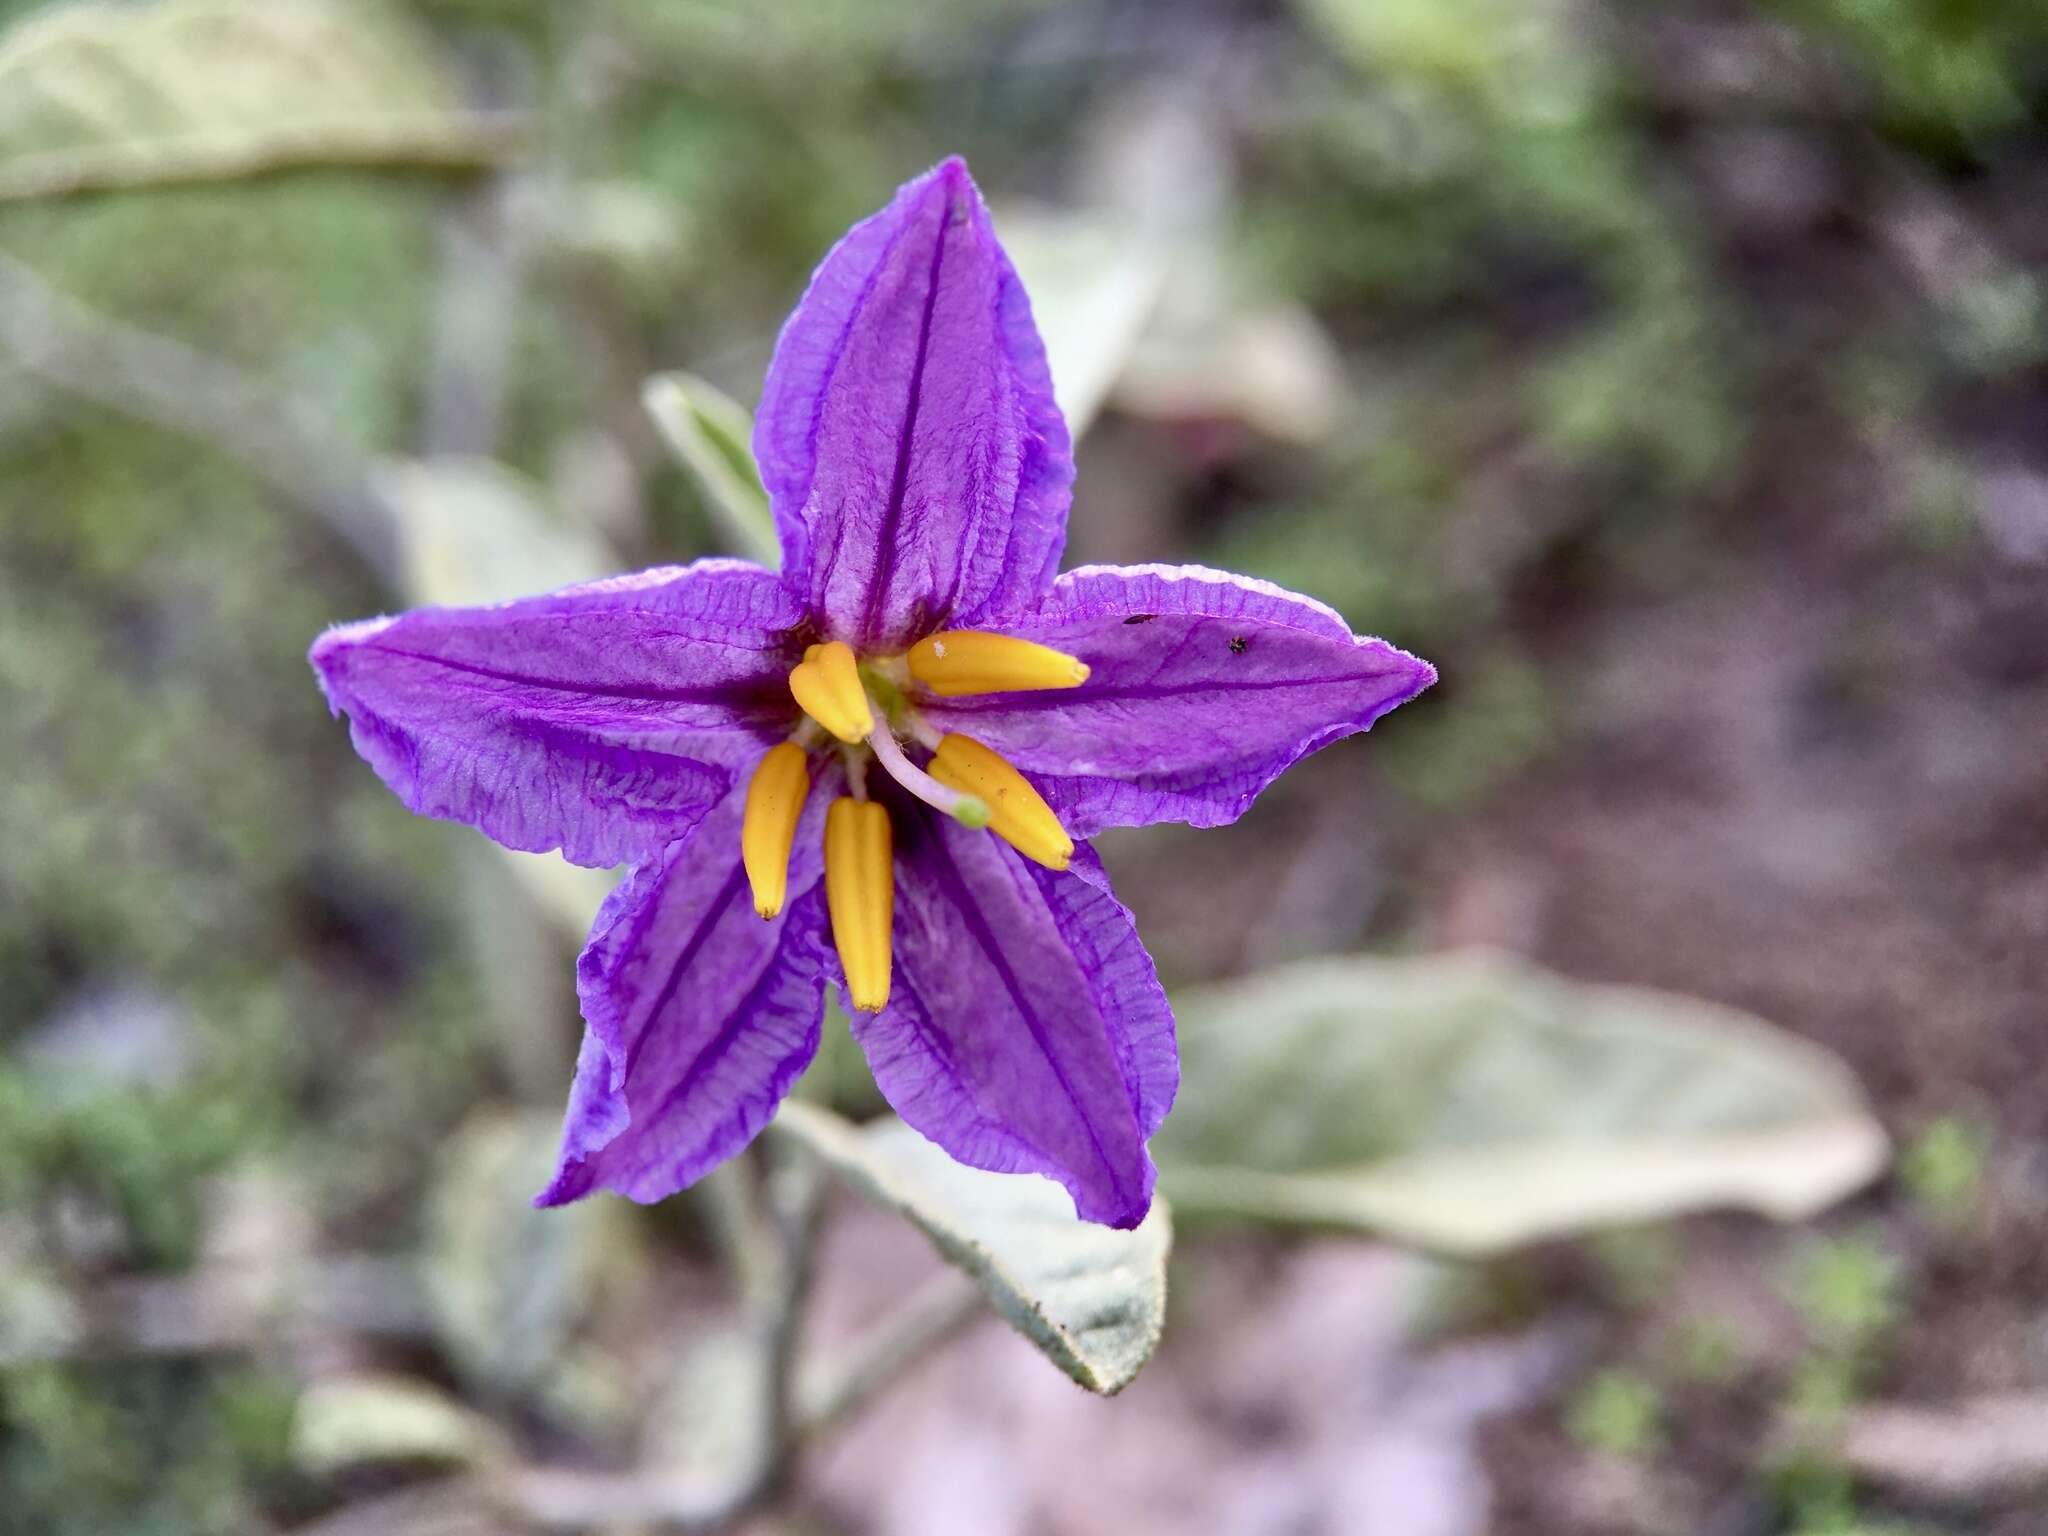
1204, 687
917, 465
701, 1015
603, 720
1026, 1030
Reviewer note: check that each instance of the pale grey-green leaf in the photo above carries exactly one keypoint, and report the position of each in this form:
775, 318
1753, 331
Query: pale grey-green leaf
1092, 1299
1210, 354
711, 434
1092, 285
707, 1425
1467, 1103
101, 96
345, 1422
474, 531
509, 1285
1171, 321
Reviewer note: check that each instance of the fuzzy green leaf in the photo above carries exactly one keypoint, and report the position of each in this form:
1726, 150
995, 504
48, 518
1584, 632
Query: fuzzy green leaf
348, 1422
1468, 1103
100, 96
1092, 288
510, 1285
711, 433
1093, 1300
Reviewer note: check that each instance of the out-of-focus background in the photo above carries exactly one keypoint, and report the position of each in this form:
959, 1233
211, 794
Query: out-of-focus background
1675, 377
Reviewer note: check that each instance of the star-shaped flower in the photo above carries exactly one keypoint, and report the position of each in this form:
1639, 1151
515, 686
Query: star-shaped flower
871, 768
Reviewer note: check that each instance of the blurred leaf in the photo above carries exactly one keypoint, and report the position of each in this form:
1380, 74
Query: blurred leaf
509, 1284
1943, 72
102, 96
39, 1316
1092, 287
1962, 1454
1145, 297
707, 1422
354, 1421
567, 893
1507, 55
622, 227
710, 433
1208, 357
1467, 1103
1091, 1299
473, 531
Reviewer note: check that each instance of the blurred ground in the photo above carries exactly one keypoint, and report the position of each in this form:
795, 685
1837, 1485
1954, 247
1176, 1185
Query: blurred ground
1673, 377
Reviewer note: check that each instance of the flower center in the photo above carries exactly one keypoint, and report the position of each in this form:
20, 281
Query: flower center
871, 708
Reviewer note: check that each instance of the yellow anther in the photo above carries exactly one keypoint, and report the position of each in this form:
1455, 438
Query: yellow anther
775, 799
827, 688
1019, 814
974, 661
860, 893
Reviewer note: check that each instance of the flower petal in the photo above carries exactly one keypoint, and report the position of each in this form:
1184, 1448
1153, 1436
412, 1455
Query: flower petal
701, 1014
603, 720
1203, 688
918, 467
1026, 1030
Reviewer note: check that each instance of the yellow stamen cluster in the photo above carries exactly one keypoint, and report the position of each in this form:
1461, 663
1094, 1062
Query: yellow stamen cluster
964, 778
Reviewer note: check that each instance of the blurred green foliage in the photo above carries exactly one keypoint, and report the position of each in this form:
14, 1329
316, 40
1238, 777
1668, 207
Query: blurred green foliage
90, 1450
1947, 73
1616, 1413
1944, 1167
1847, 1292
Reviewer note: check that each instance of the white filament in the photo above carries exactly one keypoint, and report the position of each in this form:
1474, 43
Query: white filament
968, 810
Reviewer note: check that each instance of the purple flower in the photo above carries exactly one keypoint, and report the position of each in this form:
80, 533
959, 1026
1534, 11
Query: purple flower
799, 767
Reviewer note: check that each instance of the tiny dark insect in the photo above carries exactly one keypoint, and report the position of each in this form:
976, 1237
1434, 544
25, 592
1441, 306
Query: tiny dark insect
1141, 618
1238, 645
